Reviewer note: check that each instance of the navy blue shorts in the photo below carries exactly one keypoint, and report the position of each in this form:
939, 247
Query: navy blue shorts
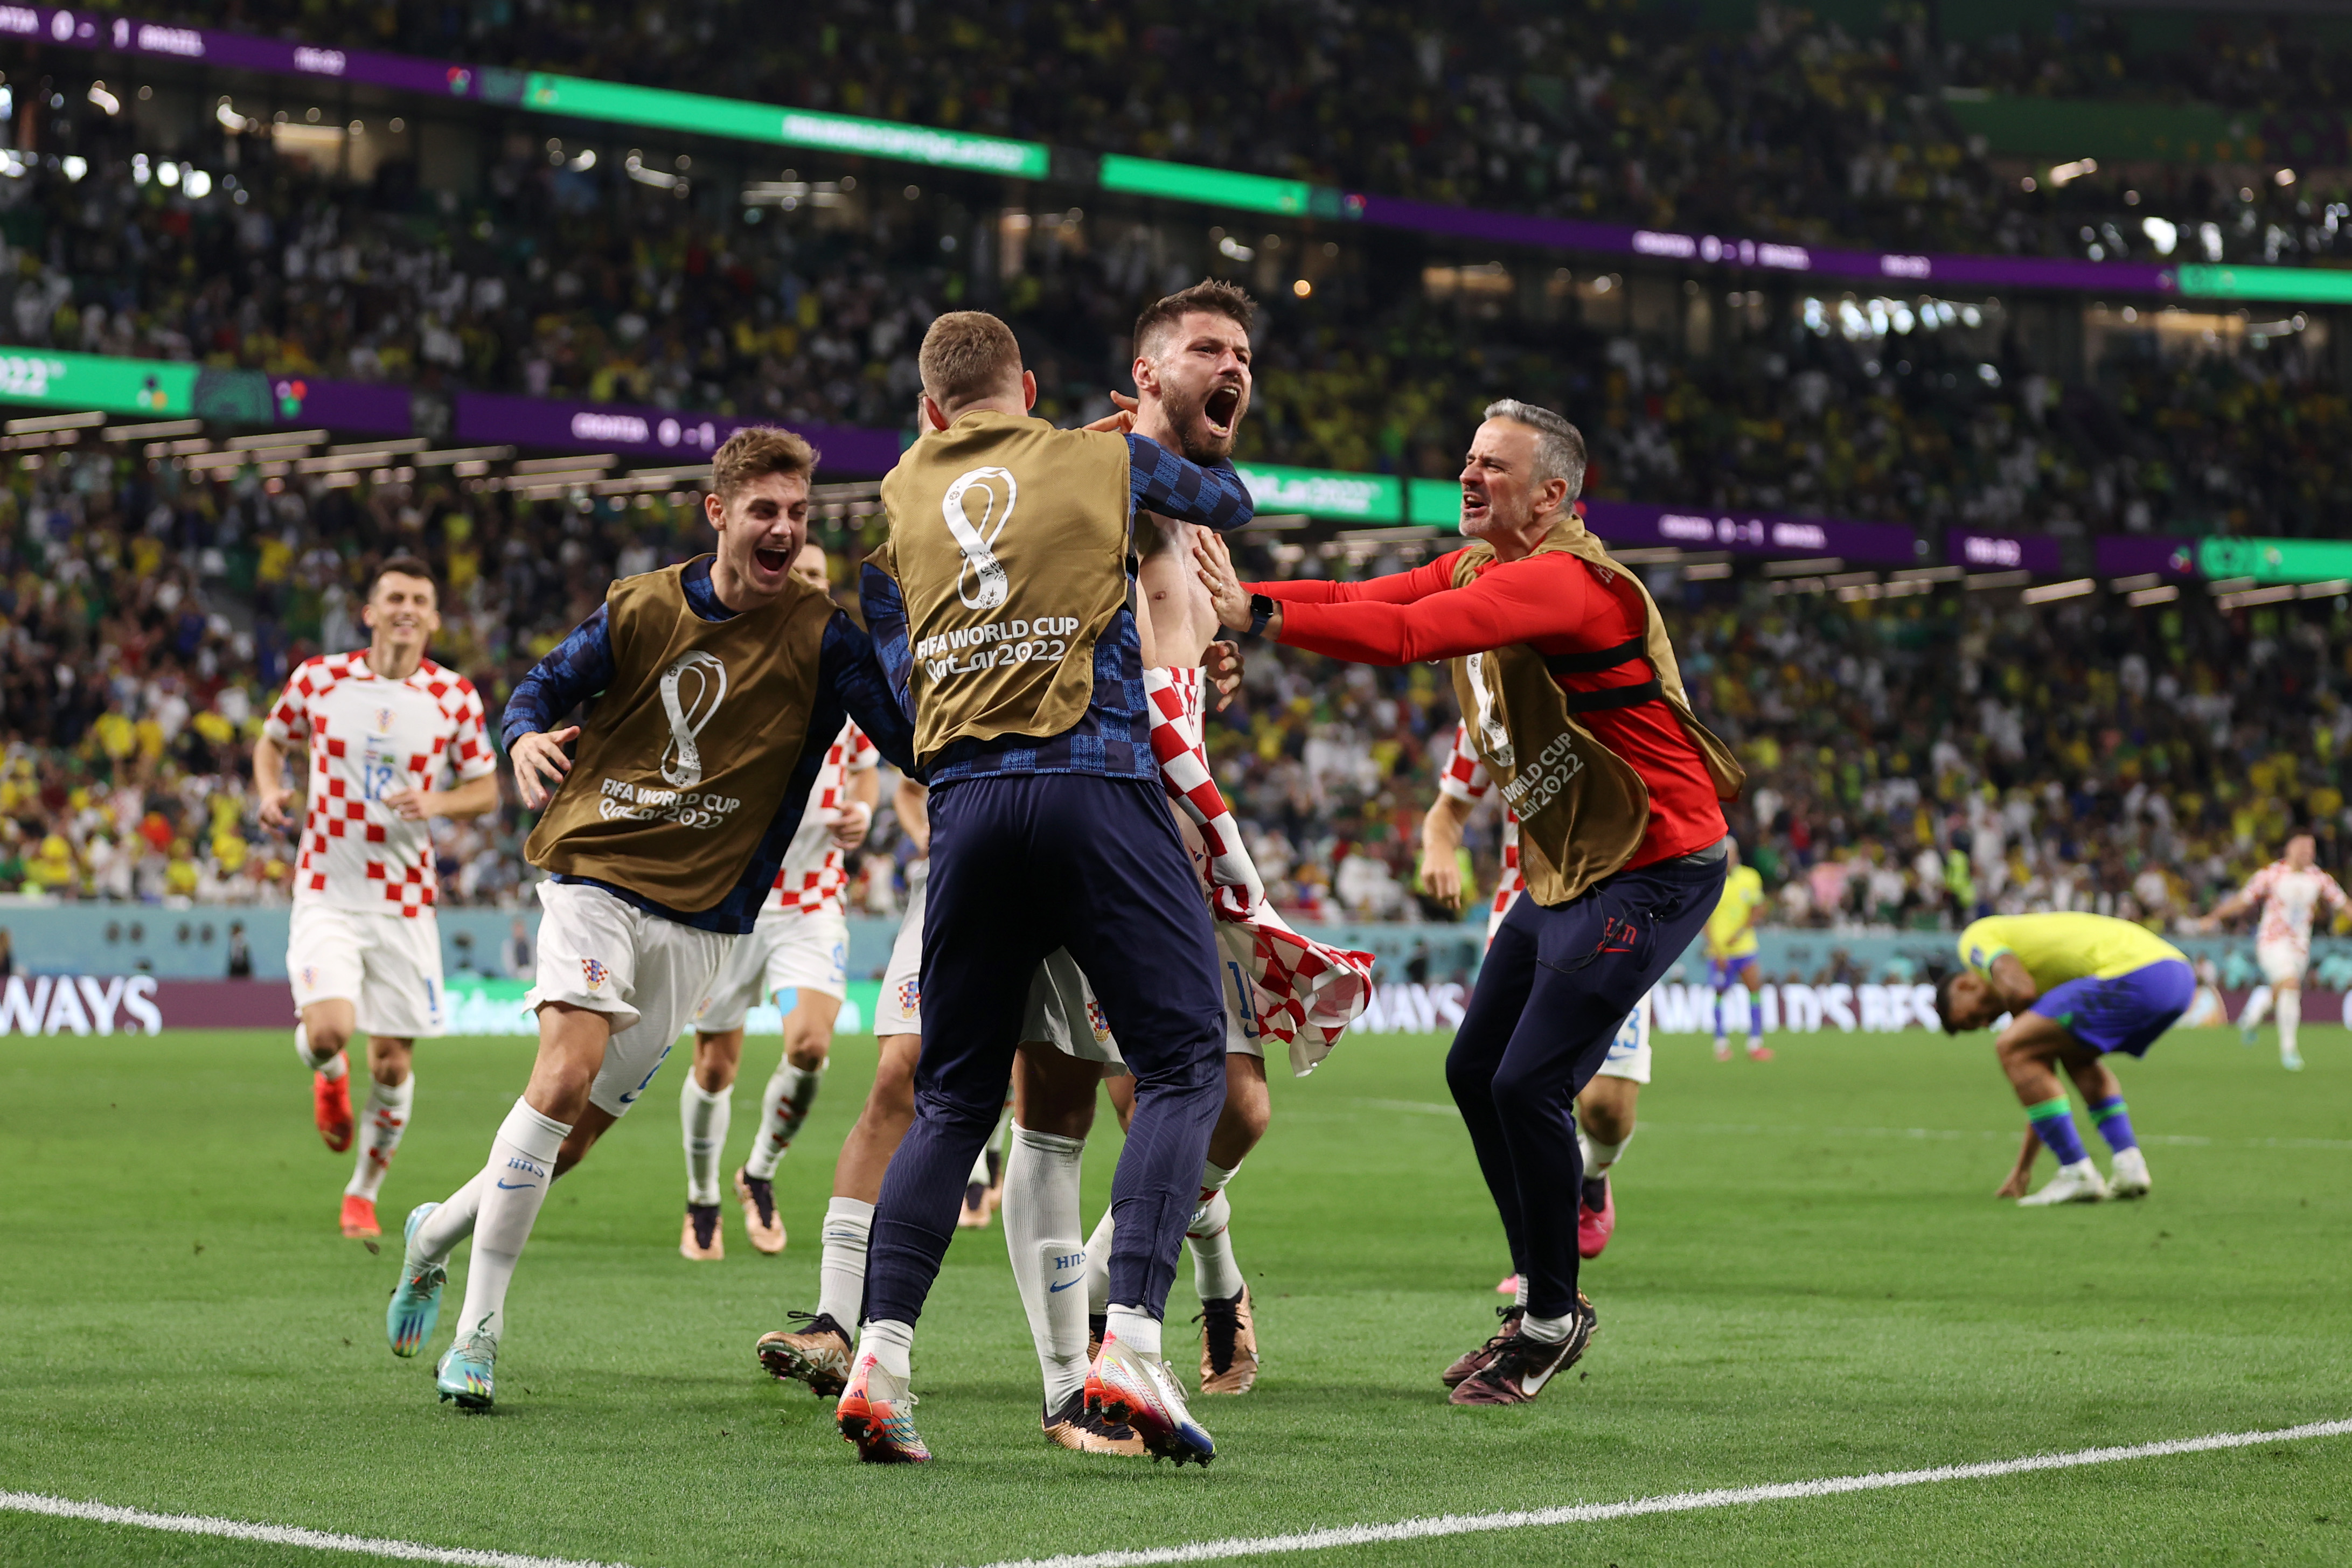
2125, 1012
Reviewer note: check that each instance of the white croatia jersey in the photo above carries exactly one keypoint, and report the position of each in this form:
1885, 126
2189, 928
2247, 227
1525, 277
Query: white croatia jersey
815, 873
1464, 778
370, 737
2289, 897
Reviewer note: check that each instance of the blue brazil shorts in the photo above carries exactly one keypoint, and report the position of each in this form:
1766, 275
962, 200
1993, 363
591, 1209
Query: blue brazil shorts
2125, 1012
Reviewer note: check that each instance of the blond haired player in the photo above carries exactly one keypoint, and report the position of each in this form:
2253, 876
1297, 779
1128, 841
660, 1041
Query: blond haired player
384, 727
1605, 1112
2290, 889
801, 945
724, 681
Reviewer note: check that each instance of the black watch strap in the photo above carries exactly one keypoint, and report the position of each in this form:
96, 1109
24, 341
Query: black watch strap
1261, 612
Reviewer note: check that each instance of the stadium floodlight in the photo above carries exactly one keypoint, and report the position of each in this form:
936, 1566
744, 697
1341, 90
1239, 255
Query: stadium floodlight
2164, 234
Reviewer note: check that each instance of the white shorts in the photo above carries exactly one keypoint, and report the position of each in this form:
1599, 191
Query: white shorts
2282, 963
1060, 994
388, 967
1629, 1053
899, 1009
786, 951
643, 972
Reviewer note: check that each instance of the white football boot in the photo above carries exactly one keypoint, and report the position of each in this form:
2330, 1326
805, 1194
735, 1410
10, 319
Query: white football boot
2128, 1175
2077, 1182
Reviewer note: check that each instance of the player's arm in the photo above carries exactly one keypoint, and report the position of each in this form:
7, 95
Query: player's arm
474, 797
2021, 1176
2010, 983
850, 667
912, 803
863, 790
1440, 848
1160, 481
269, 787
574, 671
2237, 903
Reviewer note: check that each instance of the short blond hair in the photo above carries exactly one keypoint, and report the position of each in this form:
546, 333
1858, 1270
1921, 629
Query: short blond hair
756, 451
969, 354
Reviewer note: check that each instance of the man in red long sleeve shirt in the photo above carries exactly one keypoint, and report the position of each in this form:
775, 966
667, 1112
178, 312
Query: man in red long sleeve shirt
1570, 693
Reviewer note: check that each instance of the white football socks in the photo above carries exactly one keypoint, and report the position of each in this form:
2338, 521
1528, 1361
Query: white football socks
891, 1343
782, 1108
1215, 1275
332, 1064
840, 1273
1042, 1226
1600, 1156
1520, 1300
2258, 1008
380, 1126
449, 1223
1136, 1329
1544, 1331
2288, 1006
702, 1117
522, 1163
1098, 1266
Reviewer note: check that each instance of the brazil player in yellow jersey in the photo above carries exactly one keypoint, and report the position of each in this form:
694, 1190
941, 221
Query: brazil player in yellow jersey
2077, 988
1731, 954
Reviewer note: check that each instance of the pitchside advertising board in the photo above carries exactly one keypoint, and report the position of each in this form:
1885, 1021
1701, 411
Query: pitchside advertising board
1688, 1010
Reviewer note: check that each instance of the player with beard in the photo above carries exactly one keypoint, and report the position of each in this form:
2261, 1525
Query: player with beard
1192, 385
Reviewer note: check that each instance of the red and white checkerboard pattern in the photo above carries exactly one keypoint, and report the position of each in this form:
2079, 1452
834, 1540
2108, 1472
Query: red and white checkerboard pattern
1305, 993
2289, 899
814, 874
1464, 777
369, 738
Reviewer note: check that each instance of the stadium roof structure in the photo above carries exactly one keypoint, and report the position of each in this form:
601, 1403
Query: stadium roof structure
621, 103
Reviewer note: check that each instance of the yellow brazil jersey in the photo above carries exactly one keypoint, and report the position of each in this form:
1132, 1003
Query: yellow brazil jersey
1729, 933
2055, 948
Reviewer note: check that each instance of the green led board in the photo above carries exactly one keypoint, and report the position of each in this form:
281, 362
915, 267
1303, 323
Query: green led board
2275, 560
2296, 285
1211, 187
1434, 503
702, 114
93, 381
1324, 493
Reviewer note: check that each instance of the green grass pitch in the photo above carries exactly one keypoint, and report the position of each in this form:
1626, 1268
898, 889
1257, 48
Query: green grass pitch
1811, 1279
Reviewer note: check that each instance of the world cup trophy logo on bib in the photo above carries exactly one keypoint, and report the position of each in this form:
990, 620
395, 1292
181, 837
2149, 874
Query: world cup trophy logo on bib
1493, 738
978, 541
691, 690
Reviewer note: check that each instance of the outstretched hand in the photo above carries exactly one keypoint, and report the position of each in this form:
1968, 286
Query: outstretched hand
1215, 564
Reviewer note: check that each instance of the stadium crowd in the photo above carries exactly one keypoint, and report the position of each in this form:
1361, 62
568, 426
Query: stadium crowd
1929, 411
1911, 759
1796, 126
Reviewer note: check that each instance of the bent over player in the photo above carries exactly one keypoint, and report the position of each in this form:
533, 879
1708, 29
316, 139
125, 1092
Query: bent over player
2290, 889
723, 680
801, 944
1576, 707
1002, 603
2077, 988
384, 727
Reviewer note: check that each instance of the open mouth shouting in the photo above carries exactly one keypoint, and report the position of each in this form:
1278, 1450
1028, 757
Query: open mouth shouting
1475, 504
773, 557
1222, 408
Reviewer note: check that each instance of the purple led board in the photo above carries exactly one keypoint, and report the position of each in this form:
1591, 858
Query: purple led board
2002, 552
1750, 533
688, 438
130, 36
2134, 555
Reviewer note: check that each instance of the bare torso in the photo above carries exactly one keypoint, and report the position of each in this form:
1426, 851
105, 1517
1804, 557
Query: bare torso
1183, 620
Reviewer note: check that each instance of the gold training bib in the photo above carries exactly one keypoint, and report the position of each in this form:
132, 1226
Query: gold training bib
684, 760
1008, 542
1583, 808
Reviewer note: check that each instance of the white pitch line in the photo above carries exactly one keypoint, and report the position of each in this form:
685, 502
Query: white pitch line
280, 1534
1676, 1502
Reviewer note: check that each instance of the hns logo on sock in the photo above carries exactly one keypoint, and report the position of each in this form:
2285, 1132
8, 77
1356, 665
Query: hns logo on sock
594, 973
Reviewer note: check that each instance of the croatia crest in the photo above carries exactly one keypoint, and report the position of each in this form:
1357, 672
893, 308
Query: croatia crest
1096, 1019
910, 995
594, 973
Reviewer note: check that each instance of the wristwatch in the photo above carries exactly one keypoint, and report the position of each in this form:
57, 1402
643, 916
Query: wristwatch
1261, 608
